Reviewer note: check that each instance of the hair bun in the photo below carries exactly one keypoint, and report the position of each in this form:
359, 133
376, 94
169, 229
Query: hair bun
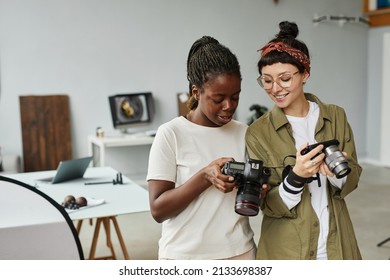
287, 29
208, 40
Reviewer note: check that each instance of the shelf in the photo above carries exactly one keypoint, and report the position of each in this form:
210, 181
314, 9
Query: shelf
377, 18
378, 12
120, 141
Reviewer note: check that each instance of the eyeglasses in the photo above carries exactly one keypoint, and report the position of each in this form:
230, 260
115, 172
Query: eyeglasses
284, 80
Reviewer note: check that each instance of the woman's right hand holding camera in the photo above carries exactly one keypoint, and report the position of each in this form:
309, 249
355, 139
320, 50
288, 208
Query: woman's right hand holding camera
168, 201
213, 173
309, 164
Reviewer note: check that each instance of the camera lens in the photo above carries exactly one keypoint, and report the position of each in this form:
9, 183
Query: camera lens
248, 199
336, 162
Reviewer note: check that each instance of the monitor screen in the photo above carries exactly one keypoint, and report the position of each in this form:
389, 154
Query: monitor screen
131, 109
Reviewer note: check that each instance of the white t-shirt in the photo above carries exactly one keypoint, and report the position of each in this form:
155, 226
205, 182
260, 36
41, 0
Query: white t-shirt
208, 228
304, 132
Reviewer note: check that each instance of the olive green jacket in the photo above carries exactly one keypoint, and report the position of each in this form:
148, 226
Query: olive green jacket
293, 234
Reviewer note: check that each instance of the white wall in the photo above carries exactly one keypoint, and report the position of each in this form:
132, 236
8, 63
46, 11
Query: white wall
90, 49
385, 131
376, 108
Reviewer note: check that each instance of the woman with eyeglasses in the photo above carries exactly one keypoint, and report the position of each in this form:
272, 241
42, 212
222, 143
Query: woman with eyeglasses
305, 215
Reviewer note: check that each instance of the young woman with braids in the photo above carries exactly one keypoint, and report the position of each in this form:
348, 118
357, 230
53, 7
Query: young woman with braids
302, 218
187, 191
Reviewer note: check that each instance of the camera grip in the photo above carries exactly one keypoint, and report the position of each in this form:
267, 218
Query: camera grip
325, 143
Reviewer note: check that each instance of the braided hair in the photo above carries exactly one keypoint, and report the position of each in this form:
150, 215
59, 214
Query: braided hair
208, 58
288, 31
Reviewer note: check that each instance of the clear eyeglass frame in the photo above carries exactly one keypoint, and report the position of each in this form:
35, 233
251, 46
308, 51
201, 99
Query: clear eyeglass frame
284, 80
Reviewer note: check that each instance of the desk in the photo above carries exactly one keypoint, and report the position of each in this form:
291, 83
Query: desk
97, 145
119, 199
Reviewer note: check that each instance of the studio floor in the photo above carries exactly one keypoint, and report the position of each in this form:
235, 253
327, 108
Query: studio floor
368, 205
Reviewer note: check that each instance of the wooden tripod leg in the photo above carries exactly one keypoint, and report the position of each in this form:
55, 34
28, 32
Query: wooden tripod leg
79, 224
120, 238
95, 238
106, 223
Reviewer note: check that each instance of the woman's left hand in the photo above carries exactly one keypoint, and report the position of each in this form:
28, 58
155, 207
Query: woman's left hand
264, 189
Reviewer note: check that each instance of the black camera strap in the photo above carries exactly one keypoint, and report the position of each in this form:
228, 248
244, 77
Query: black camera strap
317, 177
288, 168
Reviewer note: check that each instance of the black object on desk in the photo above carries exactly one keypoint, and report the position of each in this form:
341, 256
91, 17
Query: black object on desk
117, 181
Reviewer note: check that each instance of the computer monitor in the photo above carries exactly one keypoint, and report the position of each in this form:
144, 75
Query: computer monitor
131, 110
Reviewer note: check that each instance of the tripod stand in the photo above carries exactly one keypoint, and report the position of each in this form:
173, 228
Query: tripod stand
383, 242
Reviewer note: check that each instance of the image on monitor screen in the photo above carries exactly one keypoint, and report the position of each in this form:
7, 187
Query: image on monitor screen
129, 110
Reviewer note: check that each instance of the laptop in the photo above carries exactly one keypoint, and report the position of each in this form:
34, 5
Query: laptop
69, 170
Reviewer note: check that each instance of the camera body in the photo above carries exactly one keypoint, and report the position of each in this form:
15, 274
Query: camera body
249, 176
334, 158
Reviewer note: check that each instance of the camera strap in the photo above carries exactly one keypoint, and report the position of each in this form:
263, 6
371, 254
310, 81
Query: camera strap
317, 177
288, 168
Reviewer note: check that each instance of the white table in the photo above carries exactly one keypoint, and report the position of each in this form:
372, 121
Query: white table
119, 199
98, 145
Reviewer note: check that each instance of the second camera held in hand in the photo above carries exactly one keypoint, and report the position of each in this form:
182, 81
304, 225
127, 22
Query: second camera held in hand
334, 158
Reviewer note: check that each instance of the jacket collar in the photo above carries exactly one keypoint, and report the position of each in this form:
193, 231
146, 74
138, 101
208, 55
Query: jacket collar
279, 119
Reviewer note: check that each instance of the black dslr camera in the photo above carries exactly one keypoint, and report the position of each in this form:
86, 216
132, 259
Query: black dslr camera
249, 176
334, 158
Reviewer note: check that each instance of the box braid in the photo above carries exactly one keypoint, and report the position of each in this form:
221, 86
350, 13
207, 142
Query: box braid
208, 58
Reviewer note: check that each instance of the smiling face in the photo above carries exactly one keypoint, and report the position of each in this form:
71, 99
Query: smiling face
218, 100
291, 99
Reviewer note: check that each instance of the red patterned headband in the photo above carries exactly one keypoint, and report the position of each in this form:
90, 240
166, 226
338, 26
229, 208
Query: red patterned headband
280, 47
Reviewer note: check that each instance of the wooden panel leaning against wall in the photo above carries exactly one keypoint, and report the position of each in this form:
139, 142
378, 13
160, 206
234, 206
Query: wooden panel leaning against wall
45, 122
